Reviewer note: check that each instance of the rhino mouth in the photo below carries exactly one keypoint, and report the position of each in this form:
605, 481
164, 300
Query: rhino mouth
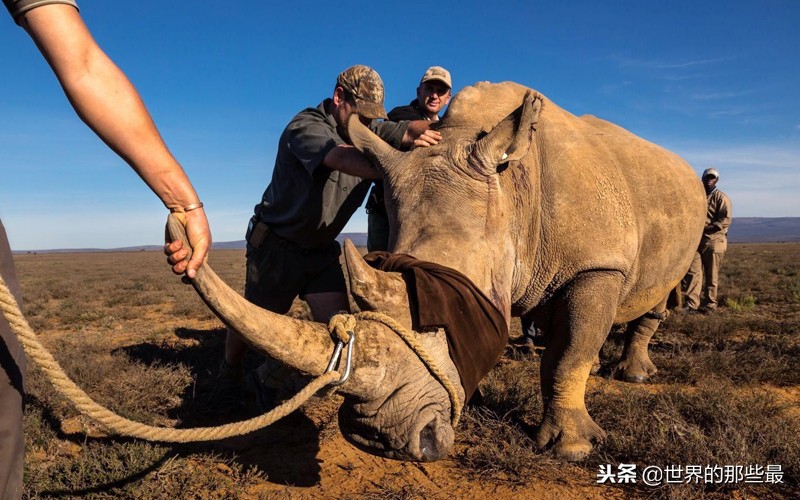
426, 435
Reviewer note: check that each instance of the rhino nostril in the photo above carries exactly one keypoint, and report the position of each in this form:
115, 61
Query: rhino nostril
429, 446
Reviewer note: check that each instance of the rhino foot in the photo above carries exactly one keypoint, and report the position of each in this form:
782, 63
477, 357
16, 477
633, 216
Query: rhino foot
570, 432
636, 370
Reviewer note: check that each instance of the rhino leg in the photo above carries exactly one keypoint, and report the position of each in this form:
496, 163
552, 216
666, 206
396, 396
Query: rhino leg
635, 365
582, 317
595, 365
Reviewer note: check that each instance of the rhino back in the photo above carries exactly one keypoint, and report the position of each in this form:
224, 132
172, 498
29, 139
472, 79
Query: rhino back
612, 200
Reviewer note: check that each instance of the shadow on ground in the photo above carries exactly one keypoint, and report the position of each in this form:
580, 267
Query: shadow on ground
286, 451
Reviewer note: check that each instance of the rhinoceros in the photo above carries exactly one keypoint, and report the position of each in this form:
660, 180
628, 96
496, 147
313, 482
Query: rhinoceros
571, 219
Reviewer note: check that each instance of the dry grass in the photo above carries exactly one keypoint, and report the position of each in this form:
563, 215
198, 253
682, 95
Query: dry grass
719, 396
726, 393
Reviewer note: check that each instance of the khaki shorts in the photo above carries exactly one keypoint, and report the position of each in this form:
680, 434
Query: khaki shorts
279, 271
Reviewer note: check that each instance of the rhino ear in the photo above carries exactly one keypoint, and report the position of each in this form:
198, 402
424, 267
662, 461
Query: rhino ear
511, 139
381, 154
374, 290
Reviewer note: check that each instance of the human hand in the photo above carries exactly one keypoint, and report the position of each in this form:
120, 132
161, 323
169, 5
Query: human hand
428, 138
199, 236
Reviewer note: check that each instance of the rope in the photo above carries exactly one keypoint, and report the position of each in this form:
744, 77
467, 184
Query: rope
339, 325
343, 322
120, 425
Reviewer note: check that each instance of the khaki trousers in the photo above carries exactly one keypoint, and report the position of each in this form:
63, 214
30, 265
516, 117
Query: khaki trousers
12, 376
703, 276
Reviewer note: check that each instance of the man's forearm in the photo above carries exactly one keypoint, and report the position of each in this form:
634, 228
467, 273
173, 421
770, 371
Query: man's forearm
348, 159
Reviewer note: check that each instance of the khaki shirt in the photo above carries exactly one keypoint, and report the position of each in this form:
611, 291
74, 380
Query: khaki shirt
18, 7
718, 220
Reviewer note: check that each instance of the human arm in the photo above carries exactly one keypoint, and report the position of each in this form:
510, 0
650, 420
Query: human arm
107, 102
349, 160
406, 133
721, 220
420, 134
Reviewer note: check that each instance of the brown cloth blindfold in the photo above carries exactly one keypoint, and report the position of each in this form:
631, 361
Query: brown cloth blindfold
442, 297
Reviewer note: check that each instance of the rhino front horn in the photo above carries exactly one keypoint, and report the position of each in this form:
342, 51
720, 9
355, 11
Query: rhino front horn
303, 345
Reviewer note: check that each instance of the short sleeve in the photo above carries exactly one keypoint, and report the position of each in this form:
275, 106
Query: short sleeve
391, 132
310, 138
19, 7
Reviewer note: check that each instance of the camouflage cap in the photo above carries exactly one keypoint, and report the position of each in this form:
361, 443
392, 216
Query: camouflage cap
710, 172
366, 87
437, 73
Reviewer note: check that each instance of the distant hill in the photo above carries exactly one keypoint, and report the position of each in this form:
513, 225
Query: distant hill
764, 229
359, 239
743, 230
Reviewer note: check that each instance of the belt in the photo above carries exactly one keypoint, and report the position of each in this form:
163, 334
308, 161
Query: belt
259, 231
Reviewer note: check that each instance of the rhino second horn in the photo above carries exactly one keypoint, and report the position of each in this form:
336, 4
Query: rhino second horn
380, 153
374, 290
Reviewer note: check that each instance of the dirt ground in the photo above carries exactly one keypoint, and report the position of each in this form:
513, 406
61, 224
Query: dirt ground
144, 345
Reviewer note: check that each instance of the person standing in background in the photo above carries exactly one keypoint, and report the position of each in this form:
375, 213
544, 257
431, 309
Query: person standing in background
703, 274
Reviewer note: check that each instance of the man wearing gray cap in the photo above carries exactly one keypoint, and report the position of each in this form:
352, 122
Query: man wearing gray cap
433, 94
704, 271
318, 182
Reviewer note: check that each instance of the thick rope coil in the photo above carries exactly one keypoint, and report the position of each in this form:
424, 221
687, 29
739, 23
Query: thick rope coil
120, 425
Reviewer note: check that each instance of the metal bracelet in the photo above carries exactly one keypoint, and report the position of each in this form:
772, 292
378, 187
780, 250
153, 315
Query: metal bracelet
187, 208
337, 354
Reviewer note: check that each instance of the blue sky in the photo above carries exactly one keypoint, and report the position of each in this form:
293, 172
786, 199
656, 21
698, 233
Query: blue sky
716, 82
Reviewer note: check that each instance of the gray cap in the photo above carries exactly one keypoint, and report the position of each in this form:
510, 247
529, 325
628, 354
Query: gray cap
366, 86
437, 73
710, 172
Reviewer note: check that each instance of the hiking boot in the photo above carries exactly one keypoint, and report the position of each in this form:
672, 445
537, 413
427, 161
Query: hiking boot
266, 398
272, 383
230, 375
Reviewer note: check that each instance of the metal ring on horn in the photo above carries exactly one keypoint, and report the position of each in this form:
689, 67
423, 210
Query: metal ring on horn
337, 354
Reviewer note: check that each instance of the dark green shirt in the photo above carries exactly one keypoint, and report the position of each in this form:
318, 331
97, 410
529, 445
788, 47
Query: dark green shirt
307, 202
18, 7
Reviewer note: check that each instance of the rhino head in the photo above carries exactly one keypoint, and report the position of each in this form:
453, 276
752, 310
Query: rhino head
393, 406
458, 203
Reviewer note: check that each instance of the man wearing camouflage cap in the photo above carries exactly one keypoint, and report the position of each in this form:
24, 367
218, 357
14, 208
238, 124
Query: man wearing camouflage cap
704, 271
318, 182
433, 94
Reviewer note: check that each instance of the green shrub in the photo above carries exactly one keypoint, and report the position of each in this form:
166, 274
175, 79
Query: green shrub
793, 290
744, 303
